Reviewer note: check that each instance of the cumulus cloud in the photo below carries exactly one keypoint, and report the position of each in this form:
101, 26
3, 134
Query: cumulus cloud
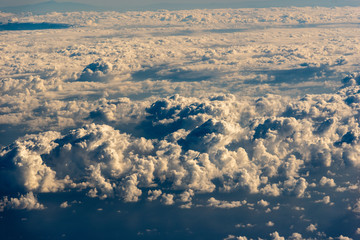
197, 141
341, 237
154, 194
296, 236
311, 228
96, 71
325, 200
263, 203
170, 106
276, 236
167, 199
270, 224
187, 195
65, 205
327, 181
212, 202
28, 202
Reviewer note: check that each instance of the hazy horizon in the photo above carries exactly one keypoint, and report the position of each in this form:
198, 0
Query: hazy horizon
186, 4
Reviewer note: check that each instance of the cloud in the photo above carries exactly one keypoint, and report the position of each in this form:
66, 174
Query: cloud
263, 203
28, 202
341, 237
196, 141
212, 202
276, 236
356, 207
96, 71
311, 228
325, 200
170, 106
154, 194
248, 225
271, 190
129, 190
327, 181
296, 236
229, 237
187, 195
167, 199
65, 205
26, 162
270, 224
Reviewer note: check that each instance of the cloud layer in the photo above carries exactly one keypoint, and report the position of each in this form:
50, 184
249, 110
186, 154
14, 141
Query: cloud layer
227, 110
200, 144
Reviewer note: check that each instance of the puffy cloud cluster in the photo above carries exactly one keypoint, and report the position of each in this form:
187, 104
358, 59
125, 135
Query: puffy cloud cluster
28, 202
53, 81
171, 107
96, 71
215, 17
195, 145
311, 228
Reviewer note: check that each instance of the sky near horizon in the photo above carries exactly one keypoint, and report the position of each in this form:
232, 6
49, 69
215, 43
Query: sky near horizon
191, 3
5, 3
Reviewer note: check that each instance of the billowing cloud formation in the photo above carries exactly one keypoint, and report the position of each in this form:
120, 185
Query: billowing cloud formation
28, 202
95, 71
53, 82
188, 109
195, 144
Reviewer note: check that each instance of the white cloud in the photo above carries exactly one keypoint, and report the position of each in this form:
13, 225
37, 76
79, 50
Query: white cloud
271, 190
263, 203
65, 205
229, 237
296, 236
187, 195
154, 194
325, 200
276, 236
212, 202
172, 106
129, 190
28, 202
191, 151
167, 199
270, 224
327, 181
311, 228
96, 71
341, 237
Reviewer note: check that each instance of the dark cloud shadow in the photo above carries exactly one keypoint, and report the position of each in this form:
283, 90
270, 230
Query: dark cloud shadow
282, 26
163, 72
32, 26
297, 75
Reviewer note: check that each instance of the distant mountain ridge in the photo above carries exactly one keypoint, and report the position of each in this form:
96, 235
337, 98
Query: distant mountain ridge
52, 6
